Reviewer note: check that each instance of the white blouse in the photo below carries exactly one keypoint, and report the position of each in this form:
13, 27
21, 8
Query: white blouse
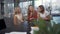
19, 17
46, 13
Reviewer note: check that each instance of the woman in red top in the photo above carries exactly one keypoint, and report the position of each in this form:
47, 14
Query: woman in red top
32, 14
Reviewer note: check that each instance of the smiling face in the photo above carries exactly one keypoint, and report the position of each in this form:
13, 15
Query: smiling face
38, 9
17, 10
41, 9
31, 8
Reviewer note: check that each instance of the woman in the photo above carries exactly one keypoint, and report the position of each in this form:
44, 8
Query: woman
32, 14
45, 15
18, 19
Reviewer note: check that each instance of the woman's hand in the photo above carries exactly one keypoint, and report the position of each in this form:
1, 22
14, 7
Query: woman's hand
15, 20
46, 18
31, 18
22, 20
15, 24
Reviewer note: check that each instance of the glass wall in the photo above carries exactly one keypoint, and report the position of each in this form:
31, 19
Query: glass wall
45, 3
0, 12
8, 9
56, 11
50, 5
24, 6
55, 7
37, 3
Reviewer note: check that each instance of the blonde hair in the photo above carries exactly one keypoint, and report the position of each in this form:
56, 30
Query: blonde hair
16, 10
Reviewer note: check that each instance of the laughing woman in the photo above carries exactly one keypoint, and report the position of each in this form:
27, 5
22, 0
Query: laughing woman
32, 14
18, 19
45, 15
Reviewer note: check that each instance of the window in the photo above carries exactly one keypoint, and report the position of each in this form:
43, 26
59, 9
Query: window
55, 7
24, 6
8, 9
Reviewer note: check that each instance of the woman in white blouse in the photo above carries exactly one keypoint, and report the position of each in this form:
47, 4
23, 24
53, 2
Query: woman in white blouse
18, 18
20, 24
45, 15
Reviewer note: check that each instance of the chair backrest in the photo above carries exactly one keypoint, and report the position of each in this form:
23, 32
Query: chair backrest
2, 24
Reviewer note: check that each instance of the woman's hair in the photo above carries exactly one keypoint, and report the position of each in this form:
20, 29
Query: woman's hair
16, 10
29, 9
42, 7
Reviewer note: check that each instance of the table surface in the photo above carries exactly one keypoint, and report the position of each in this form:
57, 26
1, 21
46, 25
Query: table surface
17, 33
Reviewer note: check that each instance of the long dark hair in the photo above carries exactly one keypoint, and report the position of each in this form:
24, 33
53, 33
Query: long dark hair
29, 7
42, 7
29, 10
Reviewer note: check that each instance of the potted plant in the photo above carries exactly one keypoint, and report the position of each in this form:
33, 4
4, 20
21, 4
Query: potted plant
42, 26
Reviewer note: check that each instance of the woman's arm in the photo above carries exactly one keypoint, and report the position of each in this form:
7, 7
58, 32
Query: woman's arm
47, 17
22, 19
15, 20
38, 15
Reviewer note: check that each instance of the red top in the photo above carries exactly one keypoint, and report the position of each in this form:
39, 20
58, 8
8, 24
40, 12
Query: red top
33, 16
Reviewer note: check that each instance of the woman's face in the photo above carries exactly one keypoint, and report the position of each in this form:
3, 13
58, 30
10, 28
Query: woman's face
31, 8
39, 9
18, 10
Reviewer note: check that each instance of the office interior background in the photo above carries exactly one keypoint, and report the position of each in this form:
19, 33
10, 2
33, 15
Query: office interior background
7, 10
